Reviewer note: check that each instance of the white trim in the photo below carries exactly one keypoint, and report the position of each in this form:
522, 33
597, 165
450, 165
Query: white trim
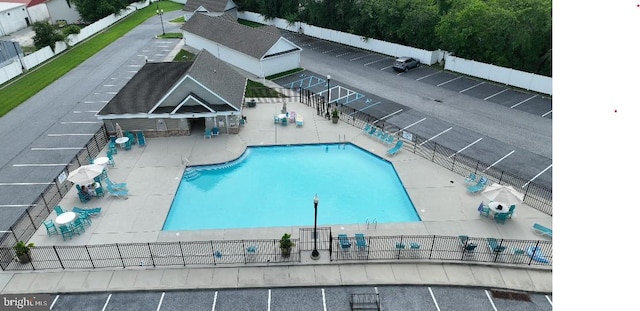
187, 99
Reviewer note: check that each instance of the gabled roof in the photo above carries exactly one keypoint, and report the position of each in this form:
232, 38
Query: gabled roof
216, 6
28, 3
225, 30
144, 93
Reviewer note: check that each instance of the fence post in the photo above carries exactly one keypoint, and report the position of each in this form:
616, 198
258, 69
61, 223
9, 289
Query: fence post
184, 263
498, 253
531, 257
399, 247
30, 218
120, 254
244, 252
89, 254
45, 201
433, 242
433, 158
55, 250
453, 163
151, 255
213, 252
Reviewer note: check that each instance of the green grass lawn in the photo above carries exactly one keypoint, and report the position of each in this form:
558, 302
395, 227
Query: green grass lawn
171, 35
184, 56
284, 73
178, 20
23, 87
257, 89
249, 23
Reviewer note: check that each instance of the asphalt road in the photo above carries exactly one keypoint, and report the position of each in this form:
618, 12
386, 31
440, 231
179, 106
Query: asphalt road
401, 298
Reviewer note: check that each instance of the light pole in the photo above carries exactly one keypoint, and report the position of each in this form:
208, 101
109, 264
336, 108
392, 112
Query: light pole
160, 12
328, 88
314, 254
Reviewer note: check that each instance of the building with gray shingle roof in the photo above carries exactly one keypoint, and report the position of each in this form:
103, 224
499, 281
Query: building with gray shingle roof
261, 51
210, 7
169, 98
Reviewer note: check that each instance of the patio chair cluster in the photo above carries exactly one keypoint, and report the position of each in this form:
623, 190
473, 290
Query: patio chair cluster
381, 135
500, 218
77, 226
208, 132
475, 184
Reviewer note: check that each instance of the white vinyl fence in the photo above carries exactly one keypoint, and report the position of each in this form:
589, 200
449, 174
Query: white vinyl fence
9, 72
508, 76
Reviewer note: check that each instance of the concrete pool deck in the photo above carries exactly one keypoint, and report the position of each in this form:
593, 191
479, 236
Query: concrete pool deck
153, 173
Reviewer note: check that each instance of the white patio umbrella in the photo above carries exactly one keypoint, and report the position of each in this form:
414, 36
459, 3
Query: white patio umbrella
503, 194
85, 174
118, 131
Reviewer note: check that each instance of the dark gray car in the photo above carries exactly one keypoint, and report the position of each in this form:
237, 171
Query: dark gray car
405, 63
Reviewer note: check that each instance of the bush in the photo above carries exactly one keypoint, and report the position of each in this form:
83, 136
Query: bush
71, 30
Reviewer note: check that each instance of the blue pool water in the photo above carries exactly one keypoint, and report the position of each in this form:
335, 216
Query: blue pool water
274, 186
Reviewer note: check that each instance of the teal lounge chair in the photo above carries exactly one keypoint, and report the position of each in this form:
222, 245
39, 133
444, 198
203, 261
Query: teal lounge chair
344, 241
414, 246
122, 194
396, 148
367, 128
467, 245
116, 186
400, 245
360, 241
482, 183
469, 180
494, 246
542, 230
252, 249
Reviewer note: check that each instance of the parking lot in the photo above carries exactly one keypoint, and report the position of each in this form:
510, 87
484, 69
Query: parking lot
499, 155
537, 104
308, 298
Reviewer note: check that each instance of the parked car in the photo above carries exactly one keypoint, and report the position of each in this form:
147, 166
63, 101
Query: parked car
405, 63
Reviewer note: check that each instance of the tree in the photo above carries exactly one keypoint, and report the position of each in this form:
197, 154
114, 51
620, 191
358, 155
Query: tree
46, 35
93, 10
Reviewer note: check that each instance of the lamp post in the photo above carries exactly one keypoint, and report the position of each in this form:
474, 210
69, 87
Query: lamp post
314, 254
328, 88
160, 12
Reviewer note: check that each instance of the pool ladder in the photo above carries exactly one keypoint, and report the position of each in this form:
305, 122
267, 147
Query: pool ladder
190, 174
342, 139
374, 222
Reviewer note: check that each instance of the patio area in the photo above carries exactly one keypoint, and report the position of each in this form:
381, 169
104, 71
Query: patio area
153, 173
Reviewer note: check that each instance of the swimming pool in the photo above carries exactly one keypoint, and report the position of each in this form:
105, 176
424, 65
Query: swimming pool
274, 186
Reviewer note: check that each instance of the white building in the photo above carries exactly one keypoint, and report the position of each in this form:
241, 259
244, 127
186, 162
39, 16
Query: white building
63, 10
261, 51
13, 17
210, 7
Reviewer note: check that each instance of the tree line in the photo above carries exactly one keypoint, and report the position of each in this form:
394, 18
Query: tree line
508, 33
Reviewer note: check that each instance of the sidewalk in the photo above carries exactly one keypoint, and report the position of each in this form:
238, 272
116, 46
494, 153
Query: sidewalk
146, 279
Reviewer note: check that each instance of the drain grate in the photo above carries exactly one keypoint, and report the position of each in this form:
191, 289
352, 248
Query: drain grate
511, 295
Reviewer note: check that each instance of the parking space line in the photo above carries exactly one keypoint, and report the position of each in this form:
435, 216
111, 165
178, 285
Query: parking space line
215, 298
343, 54
56, 148
357, 58
469, 145
325, 52
387, 68
89, 102
53, 303
375, 61
490, 300
435, 73
410, 125
522, 102
58, 135
39, 164
18, 205
360, 110
324, 301
548, 112
386, 116
106, 303
534, 177
269, 301
481, 83
160, 303
25, 184
495, 94
80, 122
496, 162
449, 129
549, 300
443, 83
434, 298
109, 85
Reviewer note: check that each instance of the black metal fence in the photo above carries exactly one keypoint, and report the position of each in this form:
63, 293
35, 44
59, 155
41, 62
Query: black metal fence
27, 224
443, 248
535, 195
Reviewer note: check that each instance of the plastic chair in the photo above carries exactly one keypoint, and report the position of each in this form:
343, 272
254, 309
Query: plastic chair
84, 218
132, 138
360, 241
78, 226
470, 179
111, 162
59, 210
344, 241
483, 210
215, 131
512, 209
493, 245
141, 140
127, 145
482, 183
501, 218
66, 232
50, 226
207, 133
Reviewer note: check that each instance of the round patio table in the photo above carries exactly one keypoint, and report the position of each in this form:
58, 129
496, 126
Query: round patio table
65, 218
102, 161
122, 140
493, 206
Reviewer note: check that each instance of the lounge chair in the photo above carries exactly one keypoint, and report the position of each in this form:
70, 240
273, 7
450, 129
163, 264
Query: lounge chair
252, 249
112, 185
118, 193
367, 128
299, 120
360, 241
494, 246
344, 241
396, 148
469, 180
467, 246
87, 211
372, 130
50, 226
389, 139
400, 245
542, 230
482, 183
414, 246
141, 140
207, 133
